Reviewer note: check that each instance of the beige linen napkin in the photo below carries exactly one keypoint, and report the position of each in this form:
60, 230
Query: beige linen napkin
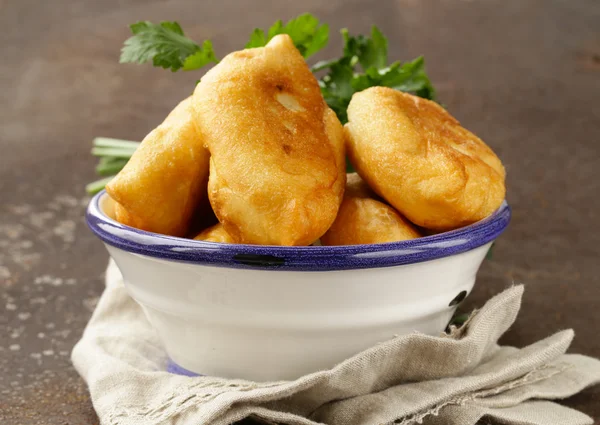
459, 379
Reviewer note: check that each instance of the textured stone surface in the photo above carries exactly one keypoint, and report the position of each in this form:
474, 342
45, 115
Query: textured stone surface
525, 76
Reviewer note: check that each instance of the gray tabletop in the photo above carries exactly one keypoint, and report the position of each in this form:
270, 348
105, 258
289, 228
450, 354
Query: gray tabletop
524, 75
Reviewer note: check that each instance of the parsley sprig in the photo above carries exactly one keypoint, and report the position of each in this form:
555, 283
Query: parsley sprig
166, 46
307, 33
363, 64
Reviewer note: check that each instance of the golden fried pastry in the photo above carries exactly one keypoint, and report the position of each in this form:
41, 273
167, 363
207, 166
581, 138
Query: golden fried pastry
109, 207
365, 220
215, 233
123, 216
164, 180
203, 217
419, 159
276, 166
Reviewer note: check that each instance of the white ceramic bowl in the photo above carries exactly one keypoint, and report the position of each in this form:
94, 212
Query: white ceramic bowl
268, 313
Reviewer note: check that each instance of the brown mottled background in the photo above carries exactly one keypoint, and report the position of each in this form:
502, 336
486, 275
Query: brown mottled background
524, 75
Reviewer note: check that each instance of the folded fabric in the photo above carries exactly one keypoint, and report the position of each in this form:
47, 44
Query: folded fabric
457, 378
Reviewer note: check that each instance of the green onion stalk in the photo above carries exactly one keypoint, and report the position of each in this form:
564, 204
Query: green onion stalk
113, 154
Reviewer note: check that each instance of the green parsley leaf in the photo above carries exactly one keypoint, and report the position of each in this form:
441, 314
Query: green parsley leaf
323, 65
257, 39
366, 51
307, 33
337, 89
166, 45
319, 41
459, 319
344, 78
276, 28
409, 77
201, 58
374, 50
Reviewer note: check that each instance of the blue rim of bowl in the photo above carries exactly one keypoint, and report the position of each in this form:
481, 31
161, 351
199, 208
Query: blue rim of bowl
305, 258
